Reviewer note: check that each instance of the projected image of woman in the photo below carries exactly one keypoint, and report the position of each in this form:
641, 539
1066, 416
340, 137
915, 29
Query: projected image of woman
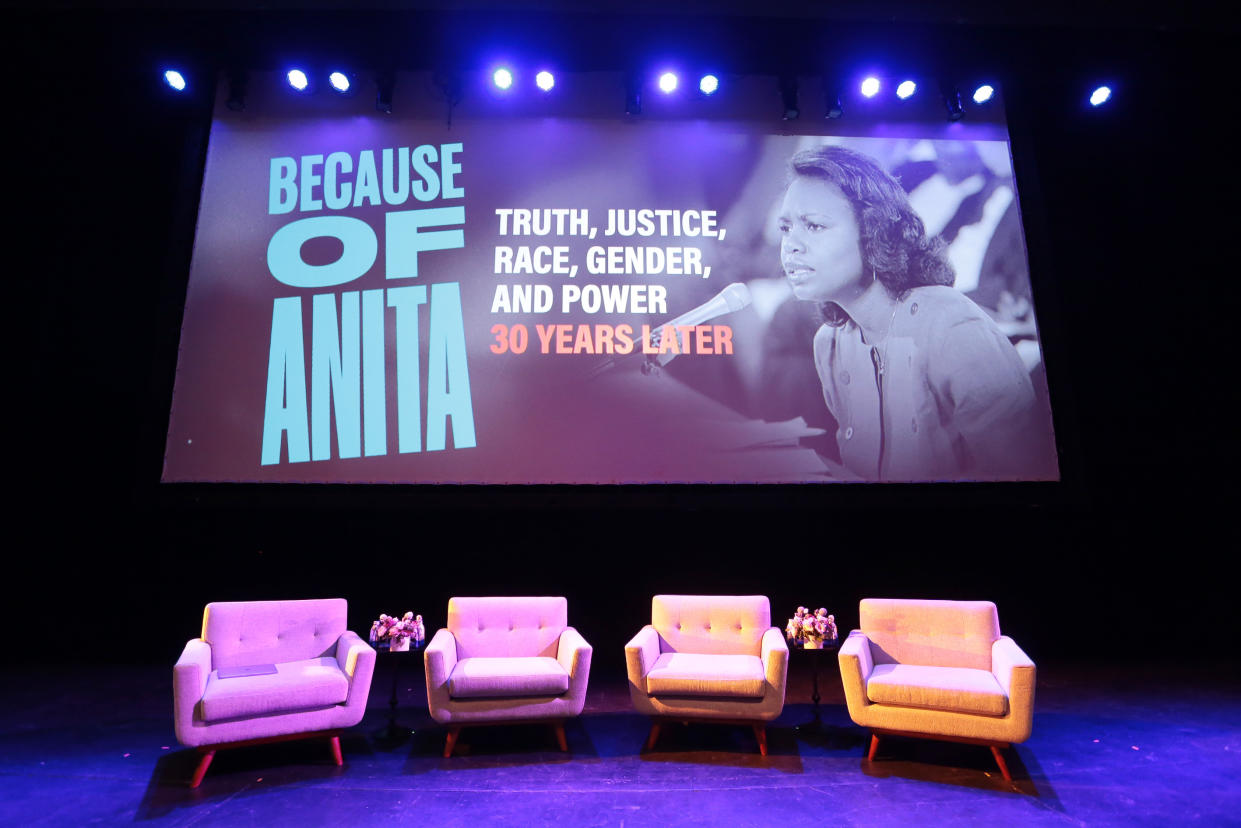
921, 382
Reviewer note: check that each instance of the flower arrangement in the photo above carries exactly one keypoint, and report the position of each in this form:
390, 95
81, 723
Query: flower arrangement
811, 628
397, 632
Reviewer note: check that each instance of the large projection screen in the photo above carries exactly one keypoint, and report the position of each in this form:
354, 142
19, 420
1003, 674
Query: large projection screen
516, 300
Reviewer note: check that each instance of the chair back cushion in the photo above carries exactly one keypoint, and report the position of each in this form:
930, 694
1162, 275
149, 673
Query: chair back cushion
712, 624
932, 633
273, 632
507, 627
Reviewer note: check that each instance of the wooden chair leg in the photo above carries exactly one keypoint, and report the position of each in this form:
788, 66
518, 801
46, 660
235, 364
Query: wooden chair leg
654, 735
874, 747
204, 762
450, 741
561, 742
999, 760
760, 733
340, 760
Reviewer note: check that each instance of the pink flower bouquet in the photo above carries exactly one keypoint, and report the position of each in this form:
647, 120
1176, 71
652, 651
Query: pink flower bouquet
811, 626
397, 632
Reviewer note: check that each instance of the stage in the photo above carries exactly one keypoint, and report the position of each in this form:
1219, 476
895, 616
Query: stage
1112, 744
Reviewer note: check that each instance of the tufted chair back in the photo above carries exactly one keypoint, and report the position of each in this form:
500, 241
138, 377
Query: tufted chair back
272, 632
711, 624
931, 633
507, 627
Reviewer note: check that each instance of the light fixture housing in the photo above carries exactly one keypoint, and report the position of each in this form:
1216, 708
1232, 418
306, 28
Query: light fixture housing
788, 97
385, 85
952, 104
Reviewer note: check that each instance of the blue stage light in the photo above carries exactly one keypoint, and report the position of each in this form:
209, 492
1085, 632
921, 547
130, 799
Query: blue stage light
906, 89
175, 79
545, 80
1100, 96
502, 78
298, 80
870, 87
339, 81
983, 93
709, 84
667, 82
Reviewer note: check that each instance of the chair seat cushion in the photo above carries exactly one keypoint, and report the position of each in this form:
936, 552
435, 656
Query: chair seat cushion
957, 689
697, 674
296, 685
483, 678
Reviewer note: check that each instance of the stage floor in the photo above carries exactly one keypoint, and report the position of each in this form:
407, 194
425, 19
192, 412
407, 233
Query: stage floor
1145, 744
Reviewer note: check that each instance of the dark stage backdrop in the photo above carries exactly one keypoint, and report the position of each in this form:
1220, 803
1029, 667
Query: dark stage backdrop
1128, 216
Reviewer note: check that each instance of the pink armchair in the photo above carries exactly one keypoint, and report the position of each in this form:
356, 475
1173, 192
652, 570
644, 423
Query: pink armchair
709, 658
506, 661
937, 670
321, 682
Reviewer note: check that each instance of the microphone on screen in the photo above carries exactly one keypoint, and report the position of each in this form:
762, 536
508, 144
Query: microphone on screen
732, 298
729, 300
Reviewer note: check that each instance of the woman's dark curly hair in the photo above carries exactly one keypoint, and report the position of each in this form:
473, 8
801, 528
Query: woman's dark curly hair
893, 240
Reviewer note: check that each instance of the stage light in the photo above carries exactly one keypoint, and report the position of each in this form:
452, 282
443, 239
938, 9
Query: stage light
709, 84
298, 80
384, 85
502, 78
545, 80
835, 109
339, 81
633, 94
788, 97
906, 90
175, 79
667, 83
237, 82
952, 102
1100, 96
983, 93
870, 87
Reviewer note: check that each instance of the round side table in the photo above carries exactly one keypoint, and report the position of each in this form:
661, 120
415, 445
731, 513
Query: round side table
390, 732
815, 656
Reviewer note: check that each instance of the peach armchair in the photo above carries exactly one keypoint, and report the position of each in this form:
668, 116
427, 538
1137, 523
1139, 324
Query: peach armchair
937, 670
506, 661
708, 658
319, 679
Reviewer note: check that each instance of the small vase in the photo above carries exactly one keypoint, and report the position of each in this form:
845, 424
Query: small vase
400, 644
813, 644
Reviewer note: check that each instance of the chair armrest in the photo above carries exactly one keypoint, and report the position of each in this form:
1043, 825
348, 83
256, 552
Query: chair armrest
1015, 672
775, 656
356, 659
856, 663
352, 652
574, 653
189, 681
440, 657
640, 655
1011, 666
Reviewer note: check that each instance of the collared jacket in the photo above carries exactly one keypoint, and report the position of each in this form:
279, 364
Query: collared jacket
944, 397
